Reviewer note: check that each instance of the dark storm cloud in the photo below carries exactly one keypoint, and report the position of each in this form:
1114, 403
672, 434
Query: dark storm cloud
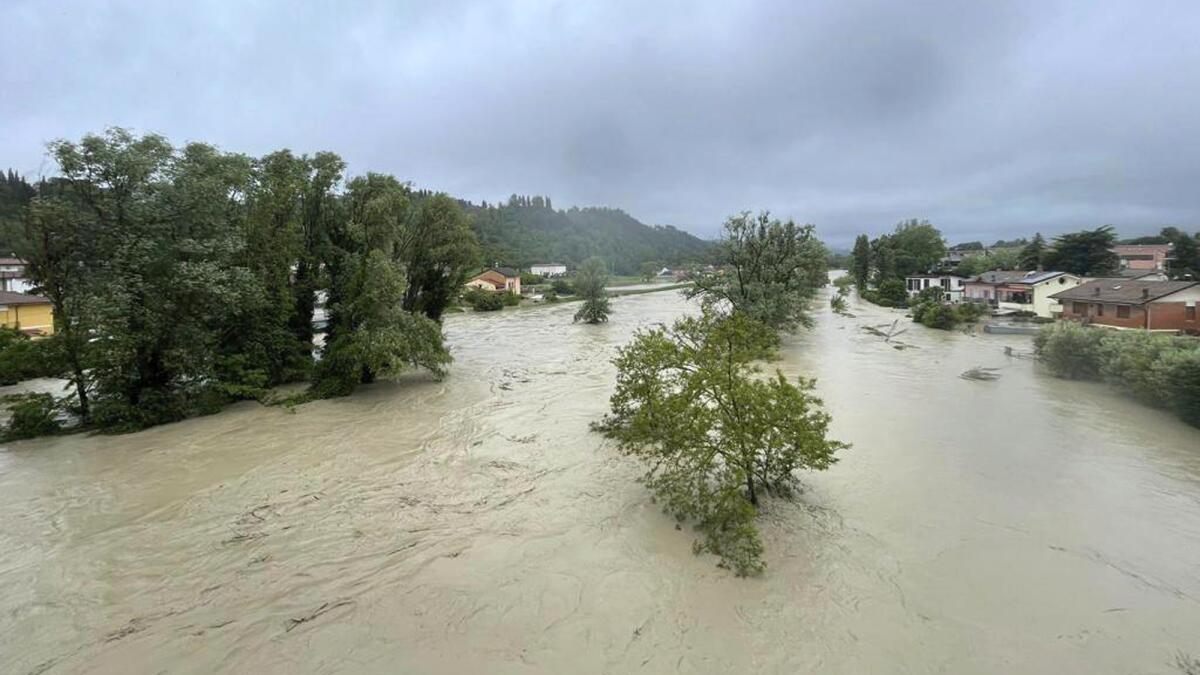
991, 119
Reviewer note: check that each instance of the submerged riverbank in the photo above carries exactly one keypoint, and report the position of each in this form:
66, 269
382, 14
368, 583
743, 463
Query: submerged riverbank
474, 524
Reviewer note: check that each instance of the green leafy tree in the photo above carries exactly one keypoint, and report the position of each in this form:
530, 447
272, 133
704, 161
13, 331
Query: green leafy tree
1031, 256
1087, 253
918, 247
1069, 350
860, 265
590, 283
61, 263
1185, 254
648, 270
438, 250
715, 436
772, 270
370, 333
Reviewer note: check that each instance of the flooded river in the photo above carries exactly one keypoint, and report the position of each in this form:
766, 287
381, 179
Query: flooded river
475, 525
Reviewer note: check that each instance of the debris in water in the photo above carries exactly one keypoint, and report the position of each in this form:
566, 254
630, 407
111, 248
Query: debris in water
292, 623
981, 373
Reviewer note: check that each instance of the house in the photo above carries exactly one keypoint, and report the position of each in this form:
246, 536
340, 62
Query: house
1144, 275
500, 279
31, 314
1020, 291
1143, 256
548, 269
1123, 304
13, 277
951, 285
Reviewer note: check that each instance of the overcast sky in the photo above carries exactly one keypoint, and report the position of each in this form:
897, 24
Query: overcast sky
992, 119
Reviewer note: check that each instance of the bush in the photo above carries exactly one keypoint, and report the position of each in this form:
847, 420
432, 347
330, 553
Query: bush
1127, 359
843, 283
562, 287
1070, 350
531, 279
1179, 373
485, 301
32, 415
550, 297
510, 299
945, 316
889, 294
24, 359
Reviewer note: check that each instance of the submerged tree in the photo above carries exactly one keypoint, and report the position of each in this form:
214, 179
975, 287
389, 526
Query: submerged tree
370, 333
590, 283
438, 249
860, 261
716, 436
773, 270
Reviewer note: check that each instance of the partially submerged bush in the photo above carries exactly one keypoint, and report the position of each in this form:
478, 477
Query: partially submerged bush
484, 301
1155, 368
32, 415
1069, 350
945, 316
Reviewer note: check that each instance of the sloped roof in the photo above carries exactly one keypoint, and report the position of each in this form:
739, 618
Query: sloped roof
506, 271
1015, 277
1123, 291
7, 298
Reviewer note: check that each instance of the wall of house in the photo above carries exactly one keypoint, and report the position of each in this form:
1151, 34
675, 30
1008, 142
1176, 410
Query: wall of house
982, 292
1136, 318
1043, 305
1170, 313
27, 317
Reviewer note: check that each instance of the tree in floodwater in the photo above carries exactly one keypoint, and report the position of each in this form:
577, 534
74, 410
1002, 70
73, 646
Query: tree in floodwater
370, 333
860, 261
772, 270
716, 436
590, 283
438, 249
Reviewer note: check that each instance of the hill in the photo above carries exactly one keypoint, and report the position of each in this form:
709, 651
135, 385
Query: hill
529, 230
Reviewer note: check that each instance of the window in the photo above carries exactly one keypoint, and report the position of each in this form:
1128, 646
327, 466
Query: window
1099, 310
1189, 313
1122, 311
1079, 308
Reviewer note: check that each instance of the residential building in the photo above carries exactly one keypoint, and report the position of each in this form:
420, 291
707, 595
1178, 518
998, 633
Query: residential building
31, 314
13, 277
1125, 304
1143, 256
1020, 291
500, 279
1143, 275
548, 269
951, 285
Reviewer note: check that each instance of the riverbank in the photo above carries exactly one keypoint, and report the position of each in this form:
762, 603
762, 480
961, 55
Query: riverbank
475, 524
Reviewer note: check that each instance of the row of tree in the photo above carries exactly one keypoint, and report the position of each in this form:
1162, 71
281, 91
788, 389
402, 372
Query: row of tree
691, 403
183, 278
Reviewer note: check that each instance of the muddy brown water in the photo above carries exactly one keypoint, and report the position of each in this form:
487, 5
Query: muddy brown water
475, 525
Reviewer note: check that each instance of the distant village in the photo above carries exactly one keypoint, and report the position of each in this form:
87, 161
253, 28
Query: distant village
1138, 294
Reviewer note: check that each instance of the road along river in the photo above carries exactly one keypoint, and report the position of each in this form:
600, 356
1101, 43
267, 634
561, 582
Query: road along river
475, 525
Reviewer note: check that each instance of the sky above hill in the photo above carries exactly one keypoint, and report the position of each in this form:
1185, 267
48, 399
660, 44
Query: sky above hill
992, 119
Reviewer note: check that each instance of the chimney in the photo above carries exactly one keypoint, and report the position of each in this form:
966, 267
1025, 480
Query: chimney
1096, 290
1145, 292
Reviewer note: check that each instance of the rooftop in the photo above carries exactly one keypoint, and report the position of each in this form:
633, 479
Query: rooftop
1016, 277
7, 298
1123, 291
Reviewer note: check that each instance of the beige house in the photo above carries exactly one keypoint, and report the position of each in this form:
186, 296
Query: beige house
499, 279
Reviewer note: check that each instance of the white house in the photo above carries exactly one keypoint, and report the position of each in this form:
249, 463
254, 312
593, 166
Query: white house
548, 269
12, 276
1022, 291
951, 285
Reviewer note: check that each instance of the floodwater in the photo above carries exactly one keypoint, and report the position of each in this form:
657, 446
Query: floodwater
475, 525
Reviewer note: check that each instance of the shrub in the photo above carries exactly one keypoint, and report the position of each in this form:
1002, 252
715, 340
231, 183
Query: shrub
843, 283
32, 415
893, 291
945, 316
24, 359
510, 299
562, 287
1179, 372
531, 279
838, 303
1069, 350
484, 301
1127, 359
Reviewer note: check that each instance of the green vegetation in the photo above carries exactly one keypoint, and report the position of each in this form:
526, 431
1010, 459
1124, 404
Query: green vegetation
690, 401
24, 359
771, 271
590, 283
1158, 369
528, 230
185, 278
1087, 253
32, 415
930, 310
881, 265
484, 301
716, 436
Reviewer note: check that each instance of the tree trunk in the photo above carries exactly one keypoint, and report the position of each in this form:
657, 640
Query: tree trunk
750, 489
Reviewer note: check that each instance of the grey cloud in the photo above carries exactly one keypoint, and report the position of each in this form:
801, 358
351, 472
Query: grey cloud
991, 119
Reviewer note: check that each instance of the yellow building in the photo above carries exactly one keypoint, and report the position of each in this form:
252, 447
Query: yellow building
30, 313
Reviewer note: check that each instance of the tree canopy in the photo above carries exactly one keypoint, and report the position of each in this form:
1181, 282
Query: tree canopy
1086, 253
590, 283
